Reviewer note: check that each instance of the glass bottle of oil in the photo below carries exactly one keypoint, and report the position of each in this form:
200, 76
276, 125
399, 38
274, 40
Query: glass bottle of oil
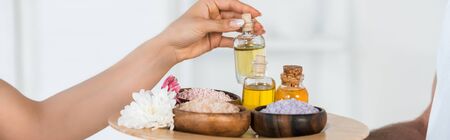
291, 84
258, 89
246, 46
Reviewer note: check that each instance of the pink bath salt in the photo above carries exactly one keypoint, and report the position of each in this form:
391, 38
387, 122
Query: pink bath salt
203, 93
209, 105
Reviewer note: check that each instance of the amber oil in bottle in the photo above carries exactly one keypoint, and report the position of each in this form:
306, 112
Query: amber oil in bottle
292, 87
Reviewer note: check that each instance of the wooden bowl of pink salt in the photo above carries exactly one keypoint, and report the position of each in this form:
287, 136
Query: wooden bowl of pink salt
211, 117
188, 94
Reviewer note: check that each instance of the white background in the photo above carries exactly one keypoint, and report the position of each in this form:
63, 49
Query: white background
372, 60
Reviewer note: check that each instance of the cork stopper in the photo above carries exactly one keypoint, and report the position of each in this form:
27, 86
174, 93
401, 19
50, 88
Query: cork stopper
259, 65
291, 75
248, 25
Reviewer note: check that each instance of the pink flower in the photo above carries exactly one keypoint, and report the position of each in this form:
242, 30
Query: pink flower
172, 84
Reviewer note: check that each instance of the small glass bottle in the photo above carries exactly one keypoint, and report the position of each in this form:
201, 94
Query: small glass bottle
291, 84
258, 89
246, 46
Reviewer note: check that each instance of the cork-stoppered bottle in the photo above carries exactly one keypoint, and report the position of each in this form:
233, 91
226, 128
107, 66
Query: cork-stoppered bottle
246, 46
291, 84
258, 89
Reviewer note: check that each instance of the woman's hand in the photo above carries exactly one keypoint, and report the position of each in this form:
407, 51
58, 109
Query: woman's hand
200, 29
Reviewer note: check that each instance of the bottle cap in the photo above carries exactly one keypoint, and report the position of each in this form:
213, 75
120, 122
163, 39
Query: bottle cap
248, 25
247, 17
291, 75
259, 64
293, 70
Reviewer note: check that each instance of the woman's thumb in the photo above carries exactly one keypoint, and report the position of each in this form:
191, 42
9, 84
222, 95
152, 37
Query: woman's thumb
223, 25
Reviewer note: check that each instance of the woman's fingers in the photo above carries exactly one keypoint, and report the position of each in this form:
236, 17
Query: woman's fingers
226, 42
230, 14
236, 6
259, 32
257, 27
220, 25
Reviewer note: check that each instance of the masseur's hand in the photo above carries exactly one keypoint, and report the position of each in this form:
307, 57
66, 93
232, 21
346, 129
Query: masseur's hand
200, 29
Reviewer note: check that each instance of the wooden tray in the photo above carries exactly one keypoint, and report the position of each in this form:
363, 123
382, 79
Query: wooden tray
338, 128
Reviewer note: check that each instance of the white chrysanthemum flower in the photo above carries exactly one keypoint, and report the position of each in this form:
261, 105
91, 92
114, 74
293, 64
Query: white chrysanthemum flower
149, 110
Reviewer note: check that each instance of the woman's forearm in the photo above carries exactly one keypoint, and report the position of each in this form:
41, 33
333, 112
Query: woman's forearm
84, 108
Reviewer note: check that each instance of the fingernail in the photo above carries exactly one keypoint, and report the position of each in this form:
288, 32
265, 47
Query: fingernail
259, 13
237, 23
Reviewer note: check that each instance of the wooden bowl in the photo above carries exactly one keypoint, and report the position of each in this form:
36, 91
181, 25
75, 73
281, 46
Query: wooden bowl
215, 124
286, 125
235, 99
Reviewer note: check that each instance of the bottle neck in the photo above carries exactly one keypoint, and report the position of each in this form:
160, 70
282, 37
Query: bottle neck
248, 27
259, 70
259, 74
247, 33
293, 82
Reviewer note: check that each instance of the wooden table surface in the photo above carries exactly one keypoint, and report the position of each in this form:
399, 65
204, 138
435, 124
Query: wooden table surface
338, 128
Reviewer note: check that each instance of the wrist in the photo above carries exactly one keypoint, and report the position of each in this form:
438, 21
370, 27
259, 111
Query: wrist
158, 49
